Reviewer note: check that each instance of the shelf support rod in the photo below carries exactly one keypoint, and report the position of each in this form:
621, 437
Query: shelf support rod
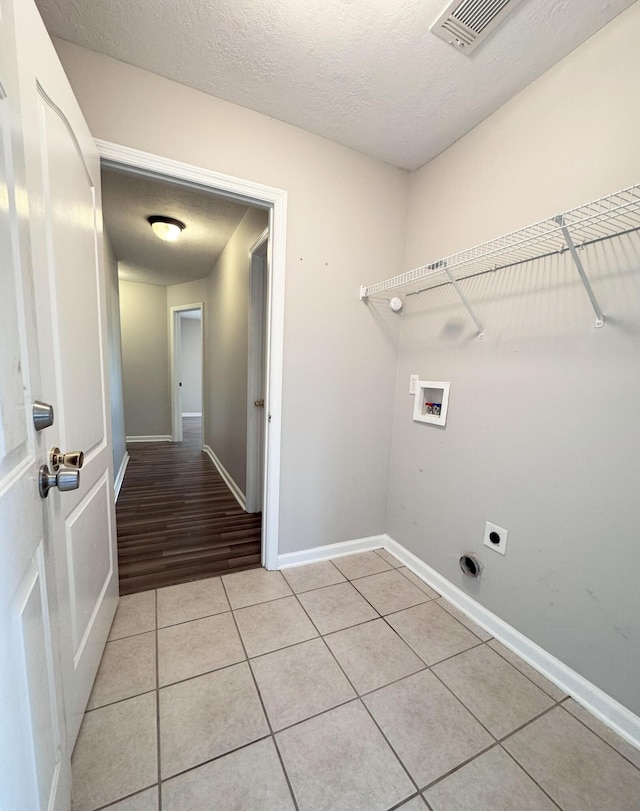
465, 301
578, 263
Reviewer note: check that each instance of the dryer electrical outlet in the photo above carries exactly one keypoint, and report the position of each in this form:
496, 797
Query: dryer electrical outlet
495, 537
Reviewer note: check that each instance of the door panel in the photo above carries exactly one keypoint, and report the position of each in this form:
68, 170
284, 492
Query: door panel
73, 270
90, 561
34, 761
63, 176
30, 609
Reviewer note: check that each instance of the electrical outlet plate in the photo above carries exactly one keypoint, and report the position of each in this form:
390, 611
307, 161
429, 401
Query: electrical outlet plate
413, 383
495, 537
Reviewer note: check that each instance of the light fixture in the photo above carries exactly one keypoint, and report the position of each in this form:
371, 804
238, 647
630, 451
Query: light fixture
166, 227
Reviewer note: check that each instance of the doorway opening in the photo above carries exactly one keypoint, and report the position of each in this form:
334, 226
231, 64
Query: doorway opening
187, 373
273, 201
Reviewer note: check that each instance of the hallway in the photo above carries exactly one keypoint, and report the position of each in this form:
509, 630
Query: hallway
177, 519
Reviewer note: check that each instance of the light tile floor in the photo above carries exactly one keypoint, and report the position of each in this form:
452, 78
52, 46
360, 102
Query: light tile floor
339, 685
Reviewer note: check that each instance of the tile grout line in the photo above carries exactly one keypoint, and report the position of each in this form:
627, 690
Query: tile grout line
556, 700
456, 698
426, 667
403, 803
111, 804
119, 701
544, 791
159, 750
521, 765
358, 698
213, 759
262, 704
497, 741
587, 727
192, 619
441, 778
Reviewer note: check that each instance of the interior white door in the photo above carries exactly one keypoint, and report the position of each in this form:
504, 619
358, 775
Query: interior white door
256, 366
63, 181
34, 757
58, 581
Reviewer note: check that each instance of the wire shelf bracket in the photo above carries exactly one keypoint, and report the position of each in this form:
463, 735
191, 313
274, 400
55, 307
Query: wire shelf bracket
465, 301
578, 263
602, 219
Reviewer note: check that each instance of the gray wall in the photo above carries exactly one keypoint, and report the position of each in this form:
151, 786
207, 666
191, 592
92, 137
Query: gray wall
115, 355
191, 364
227, 349
542, 434
145, 359
346, 226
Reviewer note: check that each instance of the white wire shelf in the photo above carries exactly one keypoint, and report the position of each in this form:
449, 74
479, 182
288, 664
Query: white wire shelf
607, 217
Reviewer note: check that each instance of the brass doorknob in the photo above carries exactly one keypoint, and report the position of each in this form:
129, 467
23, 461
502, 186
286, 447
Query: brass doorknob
73, 459
259, 403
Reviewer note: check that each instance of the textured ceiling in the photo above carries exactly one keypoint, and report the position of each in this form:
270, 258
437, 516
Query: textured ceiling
365, 73
127, 201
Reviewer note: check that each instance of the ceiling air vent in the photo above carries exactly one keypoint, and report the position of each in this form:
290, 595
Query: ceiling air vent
466, 23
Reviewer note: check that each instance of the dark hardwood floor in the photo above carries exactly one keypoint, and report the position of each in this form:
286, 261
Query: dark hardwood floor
177, 519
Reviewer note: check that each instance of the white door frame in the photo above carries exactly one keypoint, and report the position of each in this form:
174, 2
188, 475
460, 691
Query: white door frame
175, 339
258, 281
275, 200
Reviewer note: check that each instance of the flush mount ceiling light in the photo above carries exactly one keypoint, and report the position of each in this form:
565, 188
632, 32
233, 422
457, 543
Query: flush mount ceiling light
166, 227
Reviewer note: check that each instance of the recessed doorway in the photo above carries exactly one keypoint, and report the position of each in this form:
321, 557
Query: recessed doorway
273, 202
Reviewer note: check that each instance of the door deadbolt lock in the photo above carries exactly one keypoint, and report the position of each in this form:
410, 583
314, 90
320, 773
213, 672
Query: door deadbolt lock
259, 403
42, 415
73, 459
64, 480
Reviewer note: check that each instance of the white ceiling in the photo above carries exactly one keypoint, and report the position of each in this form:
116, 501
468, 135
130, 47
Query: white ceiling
365, 73
127, 201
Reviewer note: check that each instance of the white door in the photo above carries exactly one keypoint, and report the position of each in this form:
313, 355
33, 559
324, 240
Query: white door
59, 578
256, 365
33, 752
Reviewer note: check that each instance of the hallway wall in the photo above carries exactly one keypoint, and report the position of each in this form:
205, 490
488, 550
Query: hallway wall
225, 425
346, 226
145, 359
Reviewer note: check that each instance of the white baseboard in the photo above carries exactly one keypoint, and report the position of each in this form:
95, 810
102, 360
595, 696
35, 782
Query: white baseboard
159, 438
605, 708
596, 701
333, 550
231, 484
192, 413
120, 475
